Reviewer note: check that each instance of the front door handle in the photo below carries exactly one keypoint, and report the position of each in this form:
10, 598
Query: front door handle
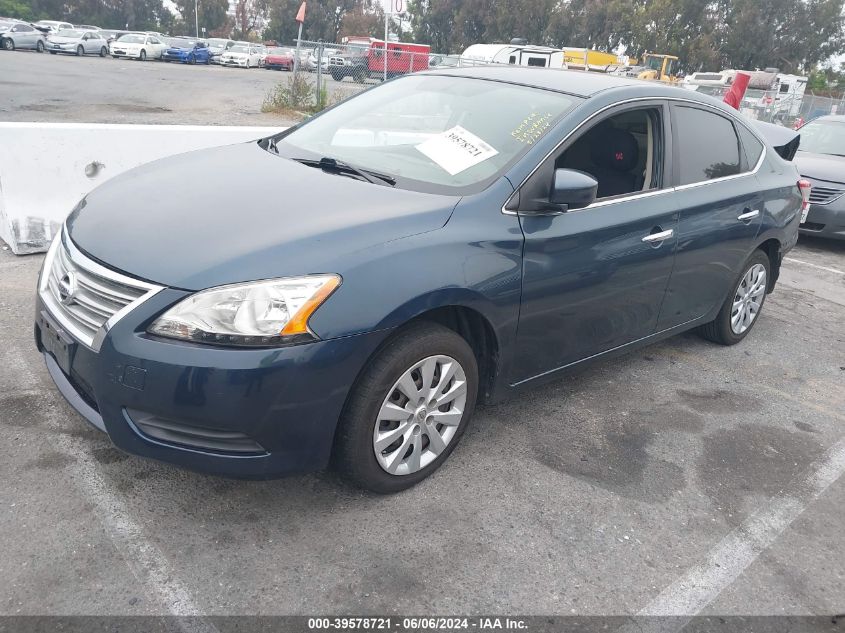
659, 237
748, 215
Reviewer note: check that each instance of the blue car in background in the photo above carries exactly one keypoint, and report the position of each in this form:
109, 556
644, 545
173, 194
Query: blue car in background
187, 51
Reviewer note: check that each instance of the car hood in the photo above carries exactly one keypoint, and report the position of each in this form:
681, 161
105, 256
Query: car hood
821, 166
239, 213
126, 45
237, 55
55, 39
179, 49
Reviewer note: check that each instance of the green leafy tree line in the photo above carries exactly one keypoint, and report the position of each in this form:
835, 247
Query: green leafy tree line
705, 34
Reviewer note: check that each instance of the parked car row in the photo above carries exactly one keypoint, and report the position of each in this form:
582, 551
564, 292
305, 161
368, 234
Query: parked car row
57, 37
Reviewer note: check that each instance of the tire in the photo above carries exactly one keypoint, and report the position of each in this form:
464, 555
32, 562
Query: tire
418, 345
52, 52
358, 76
8, 44
104, 51
248, 65
728, 329
337, 76
39, 46
80, 51
192, 60
143, 56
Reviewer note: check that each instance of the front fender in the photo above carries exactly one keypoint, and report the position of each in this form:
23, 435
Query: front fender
474, 261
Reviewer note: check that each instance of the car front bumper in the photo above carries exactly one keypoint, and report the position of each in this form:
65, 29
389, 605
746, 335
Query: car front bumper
176, 57
241, 63
255, 413
123, 53
826, 220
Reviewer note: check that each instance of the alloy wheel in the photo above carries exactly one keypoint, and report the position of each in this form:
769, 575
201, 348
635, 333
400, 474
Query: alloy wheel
748, 298
420, 415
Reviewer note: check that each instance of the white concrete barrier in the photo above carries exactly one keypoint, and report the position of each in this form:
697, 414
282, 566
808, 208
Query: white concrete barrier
46, 168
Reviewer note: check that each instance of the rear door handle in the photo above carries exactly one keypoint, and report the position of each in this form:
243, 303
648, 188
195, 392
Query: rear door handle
659, 237
749, 215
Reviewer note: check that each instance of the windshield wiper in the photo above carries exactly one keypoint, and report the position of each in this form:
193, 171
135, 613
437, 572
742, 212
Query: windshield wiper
332, 165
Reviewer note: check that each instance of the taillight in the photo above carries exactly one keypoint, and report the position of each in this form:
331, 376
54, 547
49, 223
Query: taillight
804, 187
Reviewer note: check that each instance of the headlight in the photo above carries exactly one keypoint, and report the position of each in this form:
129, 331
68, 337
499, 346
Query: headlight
259, 313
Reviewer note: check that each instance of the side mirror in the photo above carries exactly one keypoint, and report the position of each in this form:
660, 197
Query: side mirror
573, 189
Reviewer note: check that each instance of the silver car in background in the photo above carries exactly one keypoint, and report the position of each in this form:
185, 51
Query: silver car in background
78, 42
217, 46
53, 26
21, 35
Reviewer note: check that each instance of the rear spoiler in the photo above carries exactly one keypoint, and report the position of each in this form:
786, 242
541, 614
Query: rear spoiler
784, 140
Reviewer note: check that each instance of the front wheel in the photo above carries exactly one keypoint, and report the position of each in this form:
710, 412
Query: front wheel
104, 51
39, 46
80, 51
8, 44
408, 410
143, 56
742, 307
192, 60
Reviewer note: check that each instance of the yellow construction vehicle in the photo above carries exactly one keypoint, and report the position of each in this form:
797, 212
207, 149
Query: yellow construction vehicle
588, 59
659, 67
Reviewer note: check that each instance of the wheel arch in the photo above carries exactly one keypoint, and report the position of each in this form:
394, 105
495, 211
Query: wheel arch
773, 248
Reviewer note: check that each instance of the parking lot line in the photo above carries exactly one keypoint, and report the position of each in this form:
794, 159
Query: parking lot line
803, 263
701, 584
146, 562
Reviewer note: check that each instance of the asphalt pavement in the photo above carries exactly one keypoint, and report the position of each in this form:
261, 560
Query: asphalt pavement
686, 477
69, 89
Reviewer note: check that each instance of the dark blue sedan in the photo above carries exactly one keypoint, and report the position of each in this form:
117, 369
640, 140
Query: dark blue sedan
186, 51
346, 292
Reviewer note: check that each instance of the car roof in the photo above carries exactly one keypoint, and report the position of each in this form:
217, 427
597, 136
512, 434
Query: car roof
839, 118
574, 82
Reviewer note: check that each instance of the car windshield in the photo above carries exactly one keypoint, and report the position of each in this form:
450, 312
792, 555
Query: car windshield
432, 133
239, 49
69, 33
180, 43
277, 51
823, 137
131, 39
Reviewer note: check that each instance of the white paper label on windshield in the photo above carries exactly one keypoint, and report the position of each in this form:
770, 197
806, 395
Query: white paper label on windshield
456, 150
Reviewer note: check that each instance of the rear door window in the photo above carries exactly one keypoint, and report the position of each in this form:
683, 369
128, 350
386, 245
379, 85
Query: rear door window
753, 148
707, 145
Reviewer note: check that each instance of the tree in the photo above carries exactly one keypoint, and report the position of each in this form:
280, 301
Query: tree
17, 9
212, 15
324, 19
363, 21
248, 14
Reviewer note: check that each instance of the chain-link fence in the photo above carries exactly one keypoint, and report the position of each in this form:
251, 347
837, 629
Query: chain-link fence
338, 71
786, 109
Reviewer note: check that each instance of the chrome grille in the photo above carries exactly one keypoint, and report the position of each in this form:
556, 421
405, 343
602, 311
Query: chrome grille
98, 296
824, 195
